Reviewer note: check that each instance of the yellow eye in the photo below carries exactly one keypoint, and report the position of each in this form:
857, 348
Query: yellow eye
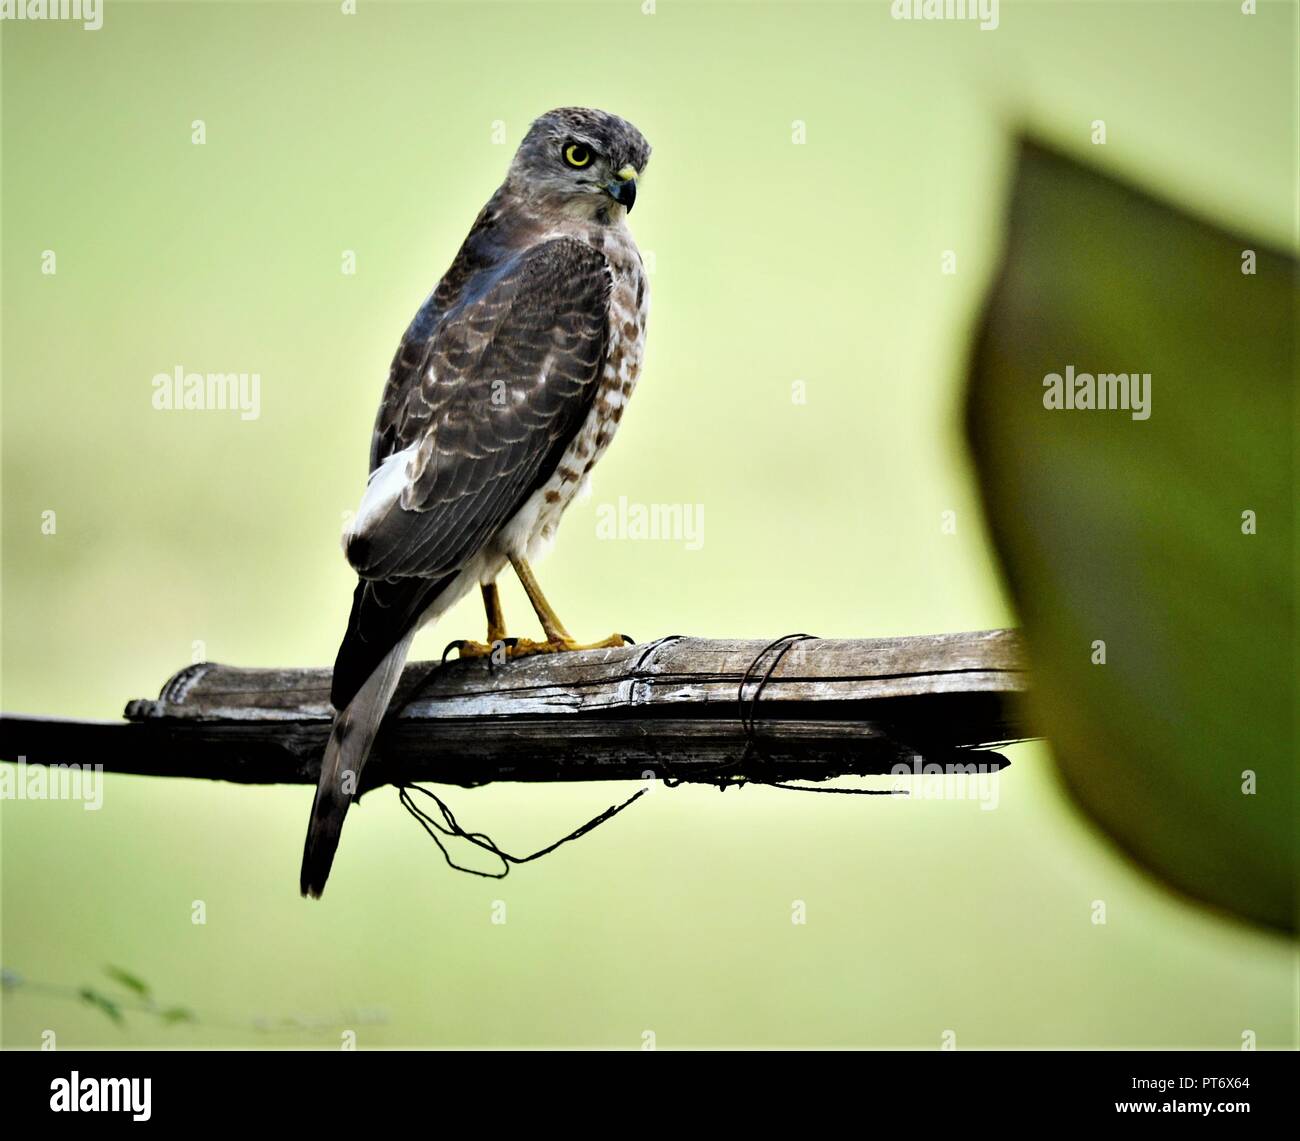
575, 154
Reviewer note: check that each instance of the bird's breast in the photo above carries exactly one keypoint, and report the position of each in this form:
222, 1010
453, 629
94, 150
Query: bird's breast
629, 304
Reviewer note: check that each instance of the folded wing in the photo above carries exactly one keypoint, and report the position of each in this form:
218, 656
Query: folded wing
480, 407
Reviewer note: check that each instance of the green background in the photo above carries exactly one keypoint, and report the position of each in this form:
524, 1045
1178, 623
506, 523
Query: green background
773, 263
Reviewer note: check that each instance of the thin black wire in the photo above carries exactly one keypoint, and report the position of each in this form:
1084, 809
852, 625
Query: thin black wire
749, 722
836, 791
450, 828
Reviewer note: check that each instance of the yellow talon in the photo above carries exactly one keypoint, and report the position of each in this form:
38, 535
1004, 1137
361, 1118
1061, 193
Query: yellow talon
466, 648
523, 647
558, 640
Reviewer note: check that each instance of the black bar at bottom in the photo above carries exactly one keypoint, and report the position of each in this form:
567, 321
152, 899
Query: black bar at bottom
580, 1090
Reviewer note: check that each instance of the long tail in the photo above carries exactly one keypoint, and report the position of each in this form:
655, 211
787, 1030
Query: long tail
353, 733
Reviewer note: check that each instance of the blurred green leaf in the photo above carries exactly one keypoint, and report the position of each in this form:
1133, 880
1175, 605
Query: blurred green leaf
176, 1014
1131, 532
128, 980
102, 1002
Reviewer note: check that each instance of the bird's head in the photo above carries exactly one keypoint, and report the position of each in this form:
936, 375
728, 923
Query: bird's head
580, 162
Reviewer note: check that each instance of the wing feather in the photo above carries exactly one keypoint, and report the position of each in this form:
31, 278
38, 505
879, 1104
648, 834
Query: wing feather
506, 384
479, 408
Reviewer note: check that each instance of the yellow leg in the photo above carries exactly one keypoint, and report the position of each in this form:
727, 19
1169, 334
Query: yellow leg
495, 618
496, 627
558, 639
555, 631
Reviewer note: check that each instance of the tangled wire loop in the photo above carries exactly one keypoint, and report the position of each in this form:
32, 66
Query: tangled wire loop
449, 828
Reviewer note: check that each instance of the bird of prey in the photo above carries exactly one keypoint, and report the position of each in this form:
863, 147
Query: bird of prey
505, 391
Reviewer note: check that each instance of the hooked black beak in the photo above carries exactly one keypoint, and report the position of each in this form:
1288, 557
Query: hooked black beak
623, 188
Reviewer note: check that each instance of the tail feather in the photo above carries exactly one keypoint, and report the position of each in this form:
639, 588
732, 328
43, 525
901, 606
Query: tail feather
355, 727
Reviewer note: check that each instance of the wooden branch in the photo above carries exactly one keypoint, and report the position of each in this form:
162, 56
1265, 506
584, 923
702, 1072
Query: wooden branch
675, 708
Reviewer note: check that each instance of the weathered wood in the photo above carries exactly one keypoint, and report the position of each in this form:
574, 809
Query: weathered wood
679, 708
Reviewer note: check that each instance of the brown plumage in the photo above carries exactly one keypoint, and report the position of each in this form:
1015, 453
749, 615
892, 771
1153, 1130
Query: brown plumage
503, 394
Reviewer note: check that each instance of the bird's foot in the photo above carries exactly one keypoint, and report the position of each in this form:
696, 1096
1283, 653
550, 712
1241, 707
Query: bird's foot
468, 648
525, 647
